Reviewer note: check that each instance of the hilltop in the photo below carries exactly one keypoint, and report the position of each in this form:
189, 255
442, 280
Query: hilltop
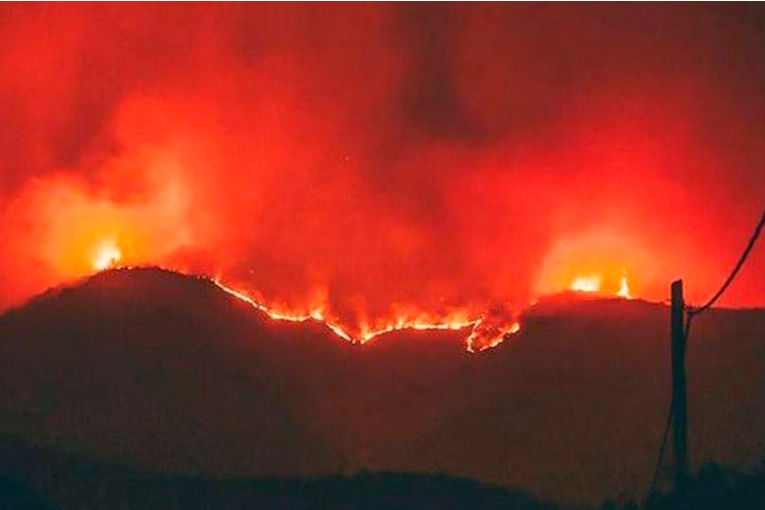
168, 373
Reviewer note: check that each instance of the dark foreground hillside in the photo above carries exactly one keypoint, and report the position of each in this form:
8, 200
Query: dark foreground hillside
168, 374
36, 478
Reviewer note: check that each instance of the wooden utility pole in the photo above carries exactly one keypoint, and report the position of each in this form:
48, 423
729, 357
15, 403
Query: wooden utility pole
679, 403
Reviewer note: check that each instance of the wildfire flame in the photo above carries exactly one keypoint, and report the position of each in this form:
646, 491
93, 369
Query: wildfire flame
624, 289
107, 255
592, 284
478, 340
259, 160
586, 284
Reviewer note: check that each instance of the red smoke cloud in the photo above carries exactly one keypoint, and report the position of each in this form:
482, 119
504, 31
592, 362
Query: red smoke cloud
384, 160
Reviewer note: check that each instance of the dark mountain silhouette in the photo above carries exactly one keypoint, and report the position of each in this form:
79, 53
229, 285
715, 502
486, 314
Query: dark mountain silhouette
167, 373
32, 477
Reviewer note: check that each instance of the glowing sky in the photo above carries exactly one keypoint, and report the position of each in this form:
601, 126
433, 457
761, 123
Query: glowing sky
384, 160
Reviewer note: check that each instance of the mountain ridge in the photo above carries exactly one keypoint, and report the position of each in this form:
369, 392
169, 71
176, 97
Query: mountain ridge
171, 373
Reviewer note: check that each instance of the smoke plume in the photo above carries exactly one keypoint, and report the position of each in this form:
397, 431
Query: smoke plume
381, 161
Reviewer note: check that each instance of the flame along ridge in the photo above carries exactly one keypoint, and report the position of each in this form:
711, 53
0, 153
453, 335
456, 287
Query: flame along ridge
482, 336
474, 342
366, 336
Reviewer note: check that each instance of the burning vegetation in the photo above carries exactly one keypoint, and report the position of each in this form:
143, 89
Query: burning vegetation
380, 167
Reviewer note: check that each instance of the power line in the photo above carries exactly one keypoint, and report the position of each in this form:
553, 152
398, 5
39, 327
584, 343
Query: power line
736, 269
662, 451
691, 313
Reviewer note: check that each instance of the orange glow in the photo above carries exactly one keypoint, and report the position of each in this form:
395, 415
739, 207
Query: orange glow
289, 165
592, 284
586, 284
475, 345
602, 261
624, 289
477, 341
107, 256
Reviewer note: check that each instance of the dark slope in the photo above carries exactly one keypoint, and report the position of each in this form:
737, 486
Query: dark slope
168, 372
163, 370
32, 477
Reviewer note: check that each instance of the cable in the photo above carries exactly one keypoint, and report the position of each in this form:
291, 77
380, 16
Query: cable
692, 312
662, 450
735, 271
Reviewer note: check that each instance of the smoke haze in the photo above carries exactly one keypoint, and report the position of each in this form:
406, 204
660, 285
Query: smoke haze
385, 160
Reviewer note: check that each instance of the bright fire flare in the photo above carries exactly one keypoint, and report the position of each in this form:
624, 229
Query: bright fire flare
593, 284
107, 255
586, 284
624, 289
